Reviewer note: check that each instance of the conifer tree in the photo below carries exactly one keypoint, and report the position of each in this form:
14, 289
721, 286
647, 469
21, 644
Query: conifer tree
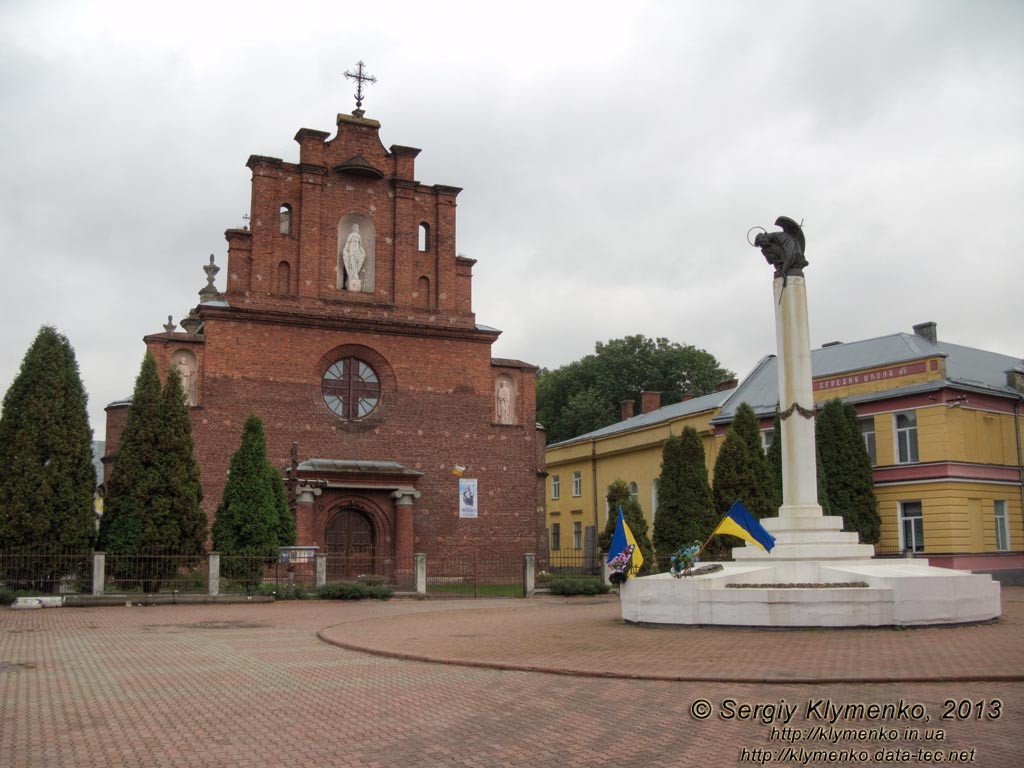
846, 466
248, 518
186, 526
47, 479
153, 497
686, 512
286, 533
619, 496
742, 472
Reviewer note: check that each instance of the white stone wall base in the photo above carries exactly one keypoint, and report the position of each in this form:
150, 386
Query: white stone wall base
899, 593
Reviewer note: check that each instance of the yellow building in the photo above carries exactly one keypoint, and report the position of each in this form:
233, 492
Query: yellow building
943, 424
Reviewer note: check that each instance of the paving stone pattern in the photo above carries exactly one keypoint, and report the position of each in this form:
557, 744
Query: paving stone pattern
254, 685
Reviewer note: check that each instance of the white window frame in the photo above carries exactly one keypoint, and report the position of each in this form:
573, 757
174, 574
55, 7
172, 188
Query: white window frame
577, 535
1001, 514
556, 488
917, 546
765, 442
634, 491
871, 446
577, 484
912, 455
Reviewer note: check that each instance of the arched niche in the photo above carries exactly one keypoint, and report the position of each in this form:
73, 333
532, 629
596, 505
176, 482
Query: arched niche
506, 397
356, 253
185, 361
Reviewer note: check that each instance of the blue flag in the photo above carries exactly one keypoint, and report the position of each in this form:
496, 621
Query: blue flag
623, 542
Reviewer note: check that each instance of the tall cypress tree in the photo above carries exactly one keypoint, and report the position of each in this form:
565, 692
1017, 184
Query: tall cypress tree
686, 512
47, 479
286, 533
136, 508
186, 524
847, 469
619, 496
742, 472
248, 518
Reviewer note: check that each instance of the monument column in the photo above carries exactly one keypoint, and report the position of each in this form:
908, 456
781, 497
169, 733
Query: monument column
796, 398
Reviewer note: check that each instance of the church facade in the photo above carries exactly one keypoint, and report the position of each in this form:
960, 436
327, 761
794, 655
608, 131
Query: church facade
347, 325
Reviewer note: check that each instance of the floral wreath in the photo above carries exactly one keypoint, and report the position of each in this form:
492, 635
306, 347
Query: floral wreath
620, 565
684, 559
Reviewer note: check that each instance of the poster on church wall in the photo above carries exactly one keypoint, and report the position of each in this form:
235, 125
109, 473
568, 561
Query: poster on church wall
467, 498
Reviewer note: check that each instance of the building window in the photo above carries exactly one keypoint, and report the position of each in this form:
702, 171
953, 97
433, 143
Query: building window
867, 429
906, 438
911, 526
654, 497
1002, 527
767, 438
424, 237
634, 492
577, 484
577, 535
351, 389
285, 219
556, 487
556, 537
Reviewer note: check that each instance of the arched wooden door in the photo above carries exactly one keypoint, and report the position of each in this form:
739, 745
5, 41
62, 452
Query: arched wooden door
351, 541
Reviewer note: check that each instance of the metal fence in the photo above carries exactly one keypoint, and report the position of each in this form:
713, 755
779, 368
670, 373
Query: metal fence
160, 571
474, 574
46, 570
399, 573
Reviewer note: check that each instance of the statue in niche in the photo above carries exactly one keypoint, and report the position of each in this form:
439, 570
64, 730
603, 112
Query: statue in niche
504, 402
188, 380
783, 250
354, 256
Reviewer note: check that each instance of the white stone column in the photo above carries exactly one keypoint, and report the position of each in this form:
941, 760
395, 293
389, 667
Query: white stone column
796, 398
213, 574
529, 573
99, 572
421, 574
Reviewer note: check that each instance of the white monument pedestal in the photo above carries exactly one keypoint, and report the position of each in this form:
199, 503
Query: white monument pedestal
816, 575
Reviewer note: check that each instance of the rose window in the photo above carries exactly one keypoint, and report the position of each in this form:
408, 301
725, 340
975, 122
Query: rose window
351, 388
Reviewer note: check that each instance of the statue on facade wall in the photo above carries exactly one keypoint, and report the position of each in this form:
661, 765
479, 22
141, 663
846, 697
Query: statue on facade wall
354, 256
504, 402
188, 380
784, 250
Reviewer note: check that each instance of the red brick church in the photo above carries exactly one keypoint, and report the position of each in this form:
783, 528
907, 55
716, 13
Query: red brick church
347, 325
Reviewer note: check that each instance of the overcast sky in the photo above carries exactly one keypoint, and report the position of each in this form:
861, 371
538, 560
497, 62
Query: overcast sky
613, 157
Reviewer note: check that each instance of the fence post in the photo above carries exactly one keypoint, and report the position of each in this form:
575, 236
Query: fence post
99, 571
605, 571
529, 574
421, 574
213, 574
321, 569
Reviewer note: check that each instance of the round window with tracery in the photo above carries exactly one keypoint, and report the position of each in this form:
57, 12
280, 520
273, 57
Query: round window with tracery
351, 388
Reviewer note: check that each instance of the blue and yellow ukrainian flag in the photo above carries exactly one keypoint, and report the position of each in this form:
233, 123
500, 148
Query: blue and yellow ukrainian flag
739, 522
623, 541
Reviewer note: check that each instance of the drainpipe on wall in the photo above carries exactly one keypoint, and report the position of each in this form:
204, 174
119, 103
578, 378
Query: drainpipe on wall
1020, 456
593, 480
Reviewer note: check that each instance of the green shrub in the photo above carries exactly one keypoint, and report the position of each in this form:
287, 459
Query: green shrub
7, 596
285, 591
353, 590
577, 585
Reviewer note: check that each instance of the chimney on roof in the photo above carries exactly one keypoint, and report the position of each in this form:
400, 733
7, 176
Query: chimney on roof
929, 331
627, 409
726, 385
650, 401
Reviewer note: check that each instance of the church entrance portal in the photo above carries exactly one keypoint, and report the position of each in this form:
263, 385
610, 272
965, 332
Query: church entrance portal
350, 541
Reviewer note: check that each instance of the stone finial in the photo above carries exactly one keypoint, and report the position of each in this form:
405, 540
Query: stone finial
192, 322
208, 292
169, 326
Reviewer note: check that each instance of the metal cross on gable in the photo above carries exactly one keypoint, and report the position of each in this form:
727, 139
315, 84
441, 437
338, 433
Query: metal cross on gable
360, 76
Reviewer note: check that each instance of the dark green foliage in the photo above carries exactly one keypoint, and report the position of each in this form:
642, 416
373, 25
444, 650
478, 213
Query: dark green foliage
353, 590
846, 466
48, 482
619, 496
248, 520
286, 532
686, 511
568, 586
153, 498
587, 394
7, 596
742, 472
286, 591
